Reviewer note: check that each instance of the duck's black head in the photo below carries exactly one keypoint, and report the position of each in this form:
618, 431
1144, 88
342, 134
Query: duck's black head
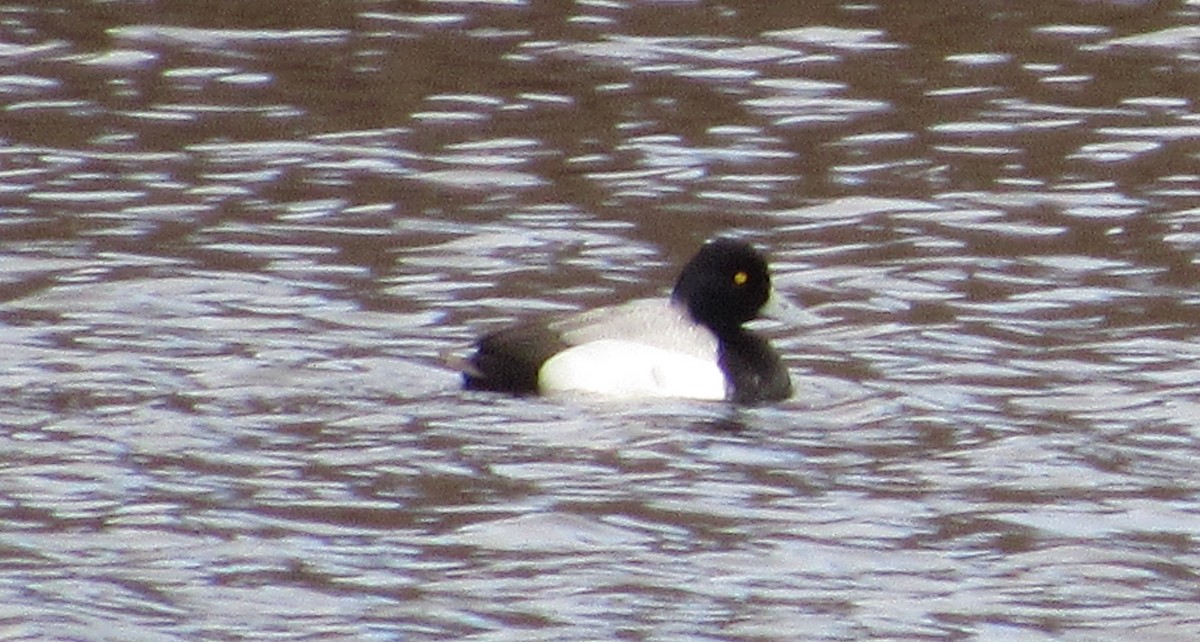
724, 285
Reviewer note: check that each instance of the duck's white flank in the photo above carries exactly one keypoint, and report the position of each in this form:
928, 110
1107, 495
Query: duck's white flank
629, 369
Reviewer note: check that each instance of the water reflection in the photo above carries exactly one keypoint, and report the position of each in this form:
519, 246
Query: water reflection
237, 246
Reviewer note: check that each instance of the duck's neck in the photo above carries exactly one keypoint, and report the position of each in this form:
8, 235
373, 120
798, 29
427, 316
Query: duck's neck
708, 314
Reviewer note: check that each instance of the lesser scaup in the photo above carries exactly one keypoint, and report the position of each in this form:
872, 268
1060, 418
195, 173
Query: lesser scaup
691, 345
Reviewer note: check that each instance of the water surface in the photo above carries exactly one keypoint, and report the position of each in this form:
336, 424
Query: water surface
238, 243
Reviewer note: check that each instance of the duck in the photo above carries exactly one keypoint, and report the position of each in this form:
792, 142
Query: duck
691, 345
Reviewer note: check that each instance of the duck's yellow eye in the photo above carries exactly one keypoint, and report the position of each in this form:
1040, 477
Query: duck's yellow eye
740, 278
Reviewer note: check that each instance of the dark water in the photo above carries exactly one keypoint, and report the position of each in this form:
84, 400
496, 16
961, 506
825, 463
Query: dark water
239, 239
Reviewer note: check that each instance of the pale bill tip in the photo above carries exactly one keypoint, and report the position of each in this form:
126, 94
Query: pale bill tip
780, 308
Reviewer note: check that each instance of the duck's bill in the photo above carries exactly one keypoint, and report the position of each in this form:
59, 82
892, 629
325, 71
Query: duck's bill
781, 309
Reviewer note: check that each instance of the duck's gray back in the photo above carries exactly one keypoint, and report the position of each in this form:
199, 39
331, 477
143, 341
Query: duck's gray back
656, 322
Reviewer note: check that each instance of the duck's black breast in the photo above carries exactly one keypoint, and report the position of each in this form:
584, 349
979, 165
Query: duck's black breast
753, 369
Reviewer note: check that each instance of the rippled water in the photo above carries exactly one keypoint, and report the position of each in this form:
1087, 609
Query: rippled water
239, 240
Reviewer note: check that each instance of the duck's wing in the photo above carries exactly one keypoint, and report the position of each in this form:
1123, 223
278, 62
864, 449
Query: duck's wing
657, 323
